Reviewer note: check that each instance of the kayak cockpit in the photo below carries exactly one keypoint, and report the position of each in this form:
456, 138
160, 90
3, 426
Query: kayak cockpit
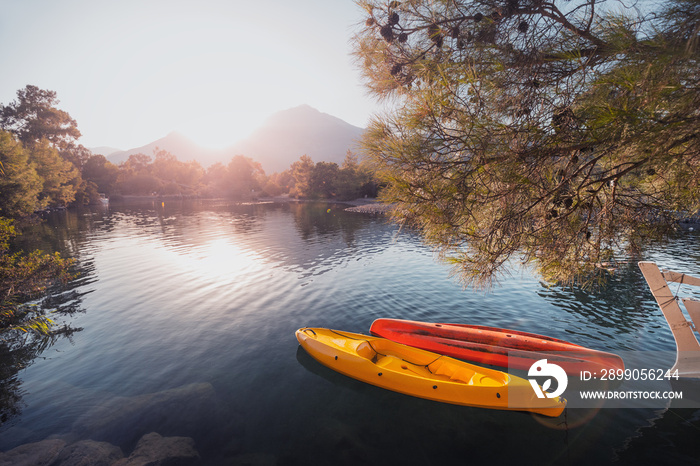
384, 355
458, 373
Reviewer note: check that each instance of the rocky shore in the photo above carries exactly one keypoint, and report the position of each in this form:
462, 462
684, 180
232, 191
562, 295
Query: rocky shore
160, 428
369, 206
360, 205
152, 449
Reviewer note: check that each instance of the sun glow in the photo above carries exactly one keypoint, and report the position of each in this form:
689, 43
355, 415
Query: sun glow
218, 129
130, 72
223, 260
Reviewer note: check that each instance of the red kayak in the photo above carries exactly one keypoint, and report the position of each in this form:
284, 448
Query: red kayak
495, 346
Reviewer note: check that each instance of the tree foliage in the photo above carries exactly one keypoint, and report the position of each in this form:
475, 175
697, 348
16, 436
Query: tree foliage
20, 184
326, 180
60, 177
302, 172
35, 177
48, 137
43, 166
101, 172
355, 179
163, 174
34, 116
242, 178
551, 132
24, 277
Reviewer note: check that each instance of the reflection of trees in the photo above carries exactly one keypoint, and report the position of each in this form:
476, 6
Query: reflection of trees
188, 224
307, 245
64, 232
316, 219
320, 230
19, 351
621, 304
12, 361
624, 304
324, 233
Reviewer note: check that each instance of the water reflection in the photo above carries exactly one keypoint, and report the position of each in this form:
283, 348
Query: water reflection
622, 312
19, 352
617, 311
203, 298
321, 232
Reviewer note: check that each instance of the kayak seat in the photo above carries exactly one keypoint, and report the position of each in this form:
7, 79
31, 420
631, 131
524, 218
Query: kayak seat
453, 372
366, 351
389, 361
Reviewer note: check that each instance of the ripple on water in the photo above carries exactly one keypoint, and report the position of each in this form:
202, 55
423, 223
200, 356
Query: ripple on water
177, 294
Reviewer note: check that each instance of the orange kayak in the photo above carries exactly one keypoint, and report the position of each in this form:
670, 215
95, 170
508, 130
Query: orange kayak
412, 371
495, 346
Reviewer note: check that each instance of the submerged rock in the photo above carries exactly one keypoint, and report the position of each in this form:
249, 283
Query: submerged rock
188, 410
151, 450
156, 450
89, 453
42, 453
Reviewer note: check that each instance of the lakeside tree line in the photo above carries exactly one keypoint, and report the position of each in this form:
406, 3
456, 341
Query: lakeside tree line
42, 166
242, 178
39, 167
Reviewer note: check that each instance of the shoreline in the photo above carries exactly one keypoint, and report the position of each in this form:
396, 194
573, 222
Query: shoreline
359, 205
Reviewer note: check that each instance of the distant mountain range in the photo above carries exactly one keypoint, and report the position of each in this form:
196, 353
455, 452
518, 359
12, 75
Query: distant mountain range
104, 150
279, 142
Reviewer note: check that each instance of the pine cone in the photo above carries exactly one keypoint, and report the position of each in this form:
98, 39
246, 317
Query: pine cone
387, 33
393, 18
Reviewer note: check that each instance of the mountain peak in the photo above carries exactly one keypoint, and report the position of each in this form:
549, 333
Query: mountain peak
300, 111
302, 130
177, 136
280, 141
304, 116
305, 107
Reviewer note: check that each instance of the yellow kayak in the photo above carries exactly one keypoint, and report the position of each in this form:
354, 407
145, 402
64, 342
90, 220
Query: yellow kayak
420, 373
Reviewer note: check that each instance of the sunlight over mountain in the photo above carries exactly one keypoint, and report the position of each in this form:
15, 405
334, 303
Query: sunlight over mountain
132, 71
215, 129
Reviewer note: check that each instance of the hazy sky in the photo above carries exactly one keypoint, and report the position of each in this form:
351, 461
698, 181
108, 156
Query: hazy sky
131, 71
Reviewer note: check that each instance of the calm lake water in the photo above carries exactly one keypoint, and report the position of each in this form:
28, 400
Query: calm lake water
188, 312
